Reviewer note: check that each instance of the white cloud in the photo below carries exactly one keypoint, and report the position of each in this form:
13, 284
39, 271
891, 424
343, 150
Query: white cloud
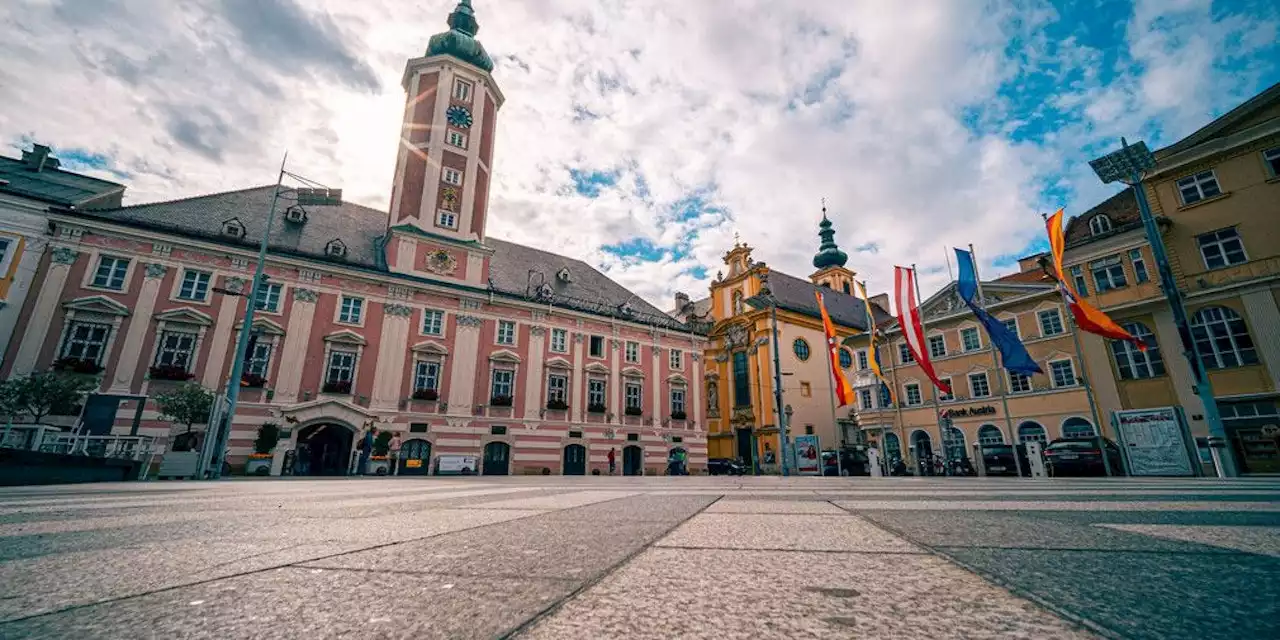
762, 106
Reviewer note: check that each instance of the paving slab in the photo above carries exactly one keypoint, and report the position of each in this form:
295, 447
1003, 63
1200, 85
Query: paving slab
310, 603
741, 505
1260, 540
561, 501
648, 507
798, 532
1058, 505
724, 594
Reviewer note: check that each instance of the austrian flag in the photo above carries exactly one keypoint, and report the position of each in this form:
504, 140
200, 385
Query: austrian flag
904, 292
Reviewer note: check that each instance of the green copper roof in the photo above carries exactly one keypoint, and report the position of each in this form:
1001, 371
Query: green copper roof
460, 40
829, 255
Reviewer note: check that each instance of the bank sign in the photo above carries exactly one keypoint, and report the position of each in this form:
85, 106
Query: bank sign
1155, 442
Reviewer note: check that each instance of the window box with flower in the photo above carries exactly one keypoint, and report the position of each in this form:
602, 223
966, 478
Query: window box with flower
500, 401
634, 411
596, 408
679, 415
171, 372
429, 395
252, 381
336, 386
264, 445
77, 365
556, 404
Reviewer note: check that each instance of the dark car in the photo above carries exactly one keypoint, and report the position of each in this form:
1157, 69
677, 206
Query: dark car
998, 460
1082, 457
725, 467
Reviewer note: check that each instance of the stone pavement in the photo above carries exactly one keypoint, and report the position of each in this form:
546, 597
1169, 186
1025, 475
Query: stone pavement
656, 557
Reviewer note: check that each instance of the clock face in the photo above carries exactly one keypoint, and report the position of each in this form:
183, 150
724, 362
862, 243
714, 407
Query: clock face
458, 116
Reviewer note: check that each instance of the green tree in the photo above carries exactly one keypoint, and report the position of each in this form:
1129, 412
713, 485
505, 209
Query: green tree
41, 394
188, 404
268, 436
382, 443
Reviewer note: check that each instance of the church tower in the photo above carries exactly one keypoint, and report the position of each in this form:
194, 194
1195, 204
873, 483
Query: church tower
830, 260
440, 194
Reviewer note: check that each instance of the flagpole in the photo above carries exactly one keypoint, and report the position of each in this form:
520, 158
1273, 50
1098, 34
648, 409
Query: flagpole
896, 399
831, 391
995, 361
933, 390
947, 256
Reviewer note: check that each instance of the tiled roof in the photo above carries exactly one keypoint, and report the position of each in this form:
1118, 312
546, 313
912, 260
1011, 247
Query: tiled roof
1122, 208
56, 186
515, 270
795, 294
1032, 276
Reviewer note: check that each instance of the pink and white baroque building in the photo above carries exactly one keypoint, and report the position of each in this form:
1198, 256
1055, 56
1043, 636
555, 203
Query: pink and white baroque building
412, 320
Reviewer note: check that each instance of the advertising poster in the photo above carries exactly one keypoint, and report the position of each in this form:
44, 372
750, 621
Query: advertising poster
1154, 442
808, 455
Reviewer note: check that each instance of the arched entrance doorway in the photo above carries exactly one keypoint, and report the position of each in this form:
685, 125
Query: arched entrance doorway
575, 460
921, 445
892, 448
323, 450
415, 457
953, 444
497, 459
632, 461
677, 458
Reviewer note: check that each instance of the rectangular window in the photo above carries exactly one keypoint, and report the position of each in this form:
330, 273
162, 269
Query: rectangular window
195, 285
1019, 382
1221, 248
501, 387
677, 402
913, 394
462, 90
943, 396
863, 363
351, 310
885, 399
110, 273
559, 340
633, 352
269, 297
447, 219
1012, 325
595, 394
1063, 373
558, 388
1108, 273
5, 245
1077, 277
937, 346
1272, 158
864, 398
969, 336
978, 386
426, 375
741, 380
342, 367
808, 429
506, 332
596, 347
1050, 322
433, 322
86, 341
1198, 187
806, 391
259, 363
634, 392
457, 139
176, 349
1139, 266
451, 176
677, 359
904, 354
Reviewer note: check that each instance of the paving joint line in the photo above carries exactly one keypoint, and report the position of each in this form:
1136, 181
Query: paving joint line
456, 574
1043, 603
775, 549
555, 606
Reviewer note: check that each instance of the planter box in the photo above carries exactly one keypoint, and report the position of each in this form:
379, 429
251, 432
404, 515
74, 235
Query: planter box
258, 467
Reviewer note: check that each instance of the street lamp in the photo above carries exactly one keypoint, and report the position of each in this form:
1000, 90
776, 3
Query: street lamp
1127, 165
761, 300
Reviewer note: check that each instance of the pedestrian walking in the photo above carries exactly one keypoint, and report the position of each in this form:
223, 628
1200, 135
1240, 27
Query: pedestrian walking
613, 460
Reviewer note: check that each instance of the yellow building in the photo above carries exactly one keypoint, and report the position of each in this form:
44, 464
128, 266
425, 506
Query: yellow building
1216, 196
987, 403
742, 413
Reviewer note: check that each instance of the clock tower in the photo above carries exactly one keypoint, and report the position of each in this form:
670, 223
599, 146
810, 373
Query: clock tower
440, 194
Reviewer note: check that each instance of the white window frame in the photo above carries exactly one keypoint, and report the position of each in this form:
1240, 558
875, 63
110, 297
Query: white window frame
1099, 224
270, 292
432, 322
70, 340
259, 361
864, 398
1140, 273
452, 176
964, 343
197, 285
559, 341
676, 359
1219, 243
423, 376
942, 395
929, 342
1054, 313
177, 349
919, 398
1209, 327
631, 352
591, 353
1270, 156
1108, 274
1081, 282
904, 354
506, 333
598, 392
333, 365
986, 383
678, 401
633, 394
1014, 321
457, 139
117, 269
864, 362
345, 312
1015, 378
1139, 364
502, 378
446, 219
8, 245
558, 391
463, 90
1198, 187
1053, 375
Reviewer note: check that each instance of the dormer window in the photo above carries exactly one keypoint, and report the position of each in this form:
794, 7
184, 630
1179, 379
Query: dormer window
335, 249
295, 214
1099, 224
233, 228
563, 275
626, 309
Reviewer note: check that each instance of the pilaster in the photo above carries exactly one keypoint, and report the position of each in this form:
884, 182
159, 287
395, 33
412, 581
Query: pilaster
533, 375
55, 280
297, 339
139, 324
658, 380
462, 373
694, 391
1176, 364
393, 349
615, 379
1263, 320
222, 328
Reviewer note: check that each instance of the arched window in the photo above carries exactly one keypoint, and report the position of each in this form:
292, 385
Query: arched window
846, 359
990, 434
953, 444
1099, 224
846, 289
1029, 431
921, 444
1133, 363
1077, 428
892, 447
801, 348
1222, 339
741, 380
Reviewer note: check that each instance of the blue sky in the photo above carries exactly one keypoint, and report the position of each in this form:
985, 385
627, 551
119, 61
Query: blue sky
642, 135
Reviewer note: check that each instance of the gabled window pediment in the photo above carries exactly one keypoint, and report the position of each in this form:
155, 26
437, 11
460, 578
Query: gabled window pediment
263, 326
504, 355
96, 304
346, 336
596, 367
558, 363
185, 315
430, 347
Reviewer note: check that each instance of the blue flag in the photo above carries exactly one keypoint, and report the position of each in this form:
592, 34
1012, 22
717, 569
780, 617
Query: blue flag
1012, 351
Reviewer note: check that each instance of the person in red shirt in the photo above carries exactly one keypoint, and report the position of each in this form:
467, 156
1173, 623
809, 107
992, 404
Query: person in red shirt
612, 461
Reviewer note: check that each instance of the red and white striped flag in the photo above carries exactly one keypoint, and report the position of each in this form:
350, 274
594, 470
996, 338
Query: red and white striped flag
904, 292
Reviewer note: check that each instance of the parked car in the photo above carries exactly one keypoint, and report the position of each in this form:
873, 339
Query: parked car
851, 462
999, 461
1082, 457
725, 467
455, 465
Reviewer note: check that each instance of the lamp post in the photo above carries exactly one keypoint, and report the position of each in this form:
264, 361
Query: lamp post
1127, 165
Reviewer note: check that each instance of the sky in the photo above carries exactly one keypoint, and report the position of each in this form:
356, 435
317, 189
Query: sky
643, 135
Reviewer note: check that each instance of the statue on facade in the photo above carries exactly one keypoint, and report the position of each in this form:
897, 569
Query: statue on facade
713, 397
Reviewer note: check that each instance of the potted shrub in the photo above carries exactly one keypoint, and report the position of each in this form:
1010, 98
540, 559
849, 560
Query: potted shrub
500, 401
337, 386
171, 372
430, 395
259, 463
634, 411
596, 407
379, 465
77, 365
253, 381
555, 404
678, 415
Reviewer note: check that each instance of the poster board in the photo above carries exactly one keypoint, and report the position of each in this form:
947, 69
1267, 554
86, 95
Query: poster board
1154, 441
808, 455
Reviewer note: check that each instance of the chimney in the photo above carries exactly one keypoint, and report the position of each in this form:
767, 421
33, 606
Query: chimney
38, 158
881, 300
682, 300
1030, 263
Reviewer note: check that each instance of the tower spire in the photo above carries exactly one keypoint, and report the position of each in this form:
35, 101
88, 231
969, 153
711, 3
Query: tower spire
829, 255
460, 40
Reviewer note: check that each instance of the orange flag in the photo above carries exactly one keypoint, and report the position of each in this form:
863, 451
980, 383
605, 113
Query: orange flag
844, 390
1086, 316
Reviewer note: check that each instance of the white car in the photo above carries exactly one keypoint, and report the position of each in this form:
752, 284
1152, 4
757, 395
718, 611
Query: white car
457, 465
